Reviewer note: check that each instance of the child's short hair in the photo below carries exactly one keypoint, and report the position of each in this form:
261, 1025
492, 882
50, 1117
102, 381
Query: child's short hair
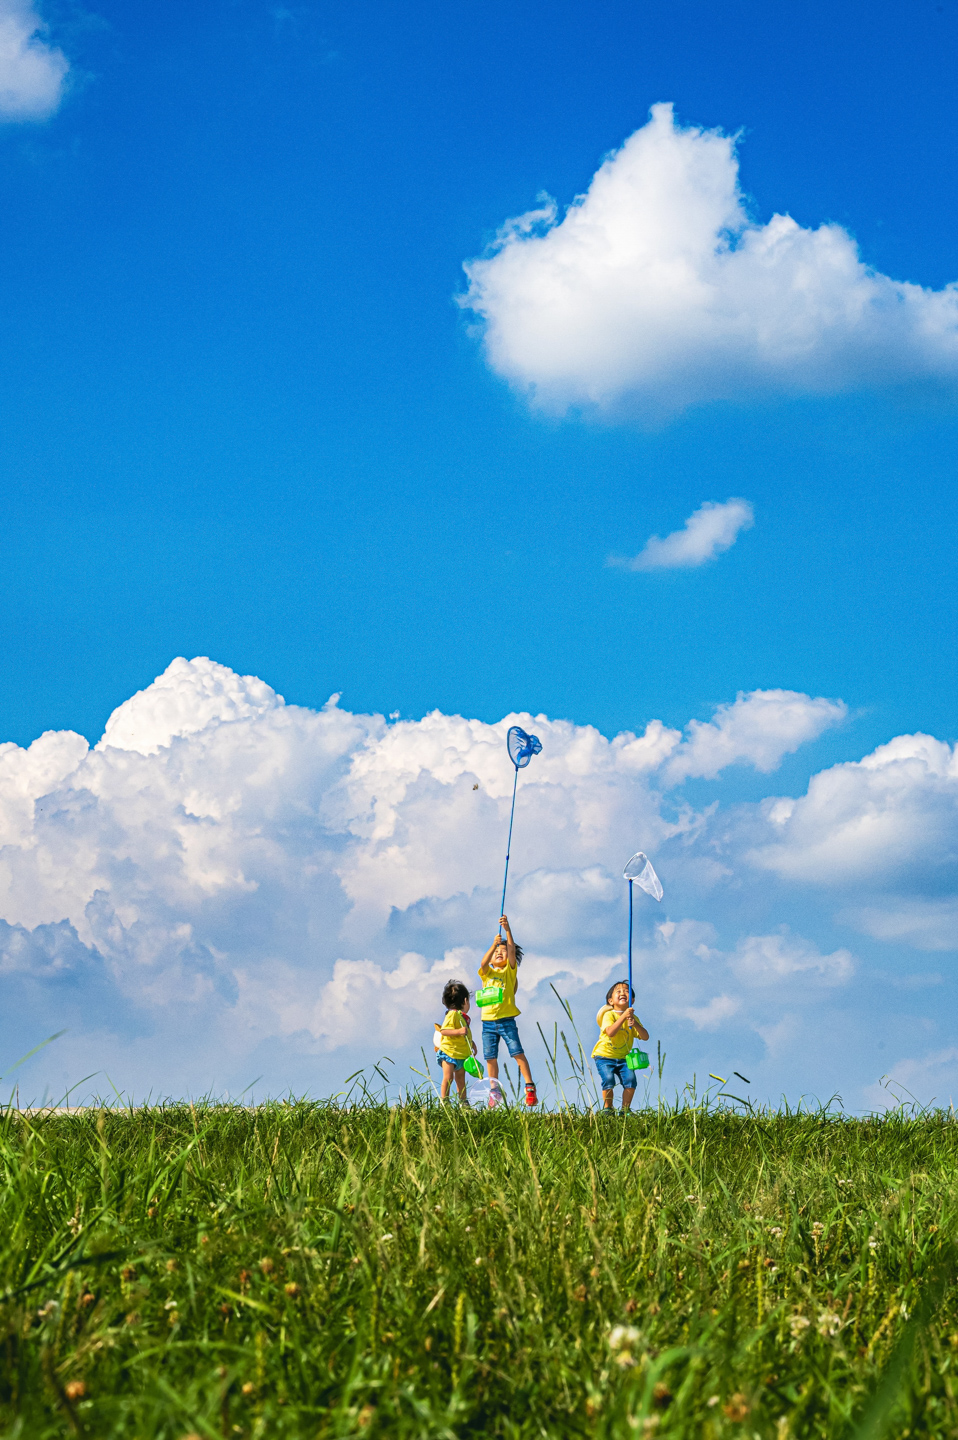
454, 995
613, 988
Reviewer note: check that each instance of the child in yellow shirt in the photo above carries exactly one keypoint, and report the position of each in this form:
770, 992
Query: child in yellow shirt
619, 1027
456, 1043
500, 970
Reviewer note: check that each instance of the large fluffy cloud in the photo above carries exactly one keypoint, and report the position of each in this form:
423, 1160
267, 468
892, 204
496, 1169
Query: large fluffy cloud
227, 887
32, 72
657, 289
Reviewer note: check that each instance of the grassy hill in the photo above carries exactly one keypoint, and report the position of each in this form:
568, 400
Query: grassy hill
302, 1270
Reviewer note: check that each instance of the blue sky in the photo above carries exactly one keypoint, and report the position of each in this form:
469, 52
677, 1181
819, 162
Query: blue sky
244, 417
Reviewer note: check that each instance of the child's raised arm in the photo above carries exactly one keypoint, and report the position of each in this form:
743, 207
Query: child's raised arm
484, 963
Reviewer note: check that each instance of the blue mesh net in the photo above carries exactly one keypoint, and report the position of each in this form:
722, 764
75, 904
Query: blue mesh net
522, 747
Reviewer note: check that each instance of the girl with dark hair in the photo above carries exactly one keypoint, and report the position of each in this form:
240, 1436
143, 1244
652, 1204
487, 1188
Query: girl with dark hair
619, 1027
500, 971
455, 1039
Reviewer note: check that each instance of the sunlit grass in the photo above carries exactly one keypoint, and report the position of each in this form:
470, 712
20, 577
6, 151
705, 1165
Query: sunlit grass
304, 1270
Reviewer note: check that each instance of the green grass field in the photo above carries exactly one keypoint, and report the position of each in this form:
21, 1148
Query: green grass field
305, 1270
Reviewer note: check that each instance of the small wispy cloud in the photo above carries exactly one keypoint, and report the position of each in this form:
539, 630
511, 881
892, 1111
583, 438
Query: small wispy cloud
706, 533
32, 72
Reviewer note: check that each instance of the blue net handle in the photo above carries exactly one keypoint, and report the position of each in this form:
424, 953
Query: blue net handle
521, 749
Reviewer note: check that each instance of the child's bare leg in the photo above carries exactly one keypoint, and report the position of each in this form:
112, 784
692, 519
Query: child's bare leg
492, 1069
607, 1098
461, 1083
524, 1069
447, 1074
627, 1098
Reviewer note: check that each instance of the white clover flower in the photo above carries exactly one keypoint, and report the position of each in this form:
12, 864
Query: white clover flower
622, 1336
777, 1231
798, 1324
829, 1323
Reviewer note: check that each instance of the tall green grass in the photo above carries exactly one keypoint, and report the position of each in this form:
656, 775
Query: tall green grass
306, 1270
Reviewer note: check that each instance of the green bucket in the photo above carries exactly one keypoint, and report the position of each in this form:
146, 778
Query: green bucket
472, 1067
489, 995
637, 1060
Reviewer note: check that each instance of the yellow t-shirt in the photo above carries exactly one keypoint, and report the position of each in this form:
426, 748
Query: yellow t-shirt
507, 1006
617, 1046
457, 1047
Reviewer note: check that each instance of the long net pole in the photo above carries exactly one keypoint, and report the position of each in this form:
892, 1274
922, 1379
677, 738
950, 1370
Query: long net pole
512, 816
630, 944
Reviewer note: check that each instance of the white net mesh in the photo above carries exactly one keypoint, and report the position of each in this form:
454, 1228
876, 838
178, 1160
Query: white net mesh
640, 870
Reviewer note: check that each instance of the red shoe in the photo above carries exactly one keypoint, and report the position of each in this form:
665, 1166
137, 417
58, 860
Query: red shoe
531, 1096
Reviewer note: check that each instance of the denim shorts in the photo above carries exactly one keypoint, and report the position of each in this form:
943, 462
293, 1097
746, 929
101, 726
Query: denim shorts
612, 1070
495, 1030
443, 1058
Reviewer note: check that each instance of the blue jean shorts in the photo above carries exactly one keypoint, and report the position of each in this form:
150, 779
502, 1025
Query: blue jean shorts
612, 1070
443, 1059
495, 1030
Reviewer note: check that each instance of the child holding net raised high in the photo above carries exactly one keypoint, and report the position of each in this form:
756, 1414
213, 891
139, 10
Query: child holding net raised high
499, 971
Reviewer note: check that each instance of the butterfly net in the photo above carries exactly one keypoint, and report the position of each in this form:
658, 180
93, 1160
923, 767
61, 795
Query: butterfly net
522, 747
640, 870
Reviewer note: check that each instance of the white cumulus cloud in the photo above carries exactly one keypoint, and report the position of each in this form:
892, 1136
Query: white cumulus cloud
32, 72
758, 729
709, 530
228, 887
657, 290
889, 818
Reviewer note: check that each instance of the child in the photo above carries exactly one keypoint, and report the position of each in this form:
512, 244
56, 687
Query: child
619, 1027
500, 968
456, 1044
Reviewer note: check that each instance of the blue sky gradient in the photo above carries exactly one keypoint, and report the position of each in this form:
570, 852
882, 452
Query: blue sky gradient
244, 417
